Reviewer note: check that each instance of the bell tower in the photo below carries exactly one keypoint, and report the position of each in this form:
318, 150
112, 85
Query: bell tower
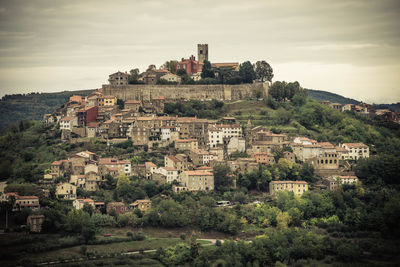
202, 52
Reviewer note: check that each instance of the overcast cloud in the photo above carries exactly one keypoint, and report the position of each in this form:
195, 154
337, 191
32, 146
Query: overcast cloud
347, 47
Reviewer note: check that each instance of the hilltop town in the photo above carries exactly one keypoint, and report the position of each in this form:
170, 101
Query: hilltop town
208, 146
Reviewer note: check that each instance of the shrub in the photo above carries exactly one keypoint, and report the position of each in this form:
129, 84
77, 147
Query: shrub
139, 236
83, 250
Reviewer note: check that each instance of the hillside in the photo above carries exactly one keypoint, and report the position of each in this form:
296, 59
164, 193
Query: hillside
14, 108
393, 107
320, 95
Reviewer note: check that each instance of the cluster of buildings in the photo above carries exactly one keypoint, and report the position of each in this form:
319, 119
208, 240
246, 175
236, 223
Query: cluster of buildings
365, 110
201, 144
192, 67
82, 170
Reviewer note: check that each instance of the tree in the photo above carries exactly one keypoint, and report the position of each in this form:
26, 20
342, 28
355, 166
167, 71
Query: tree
151, 67
134, 76
307, 173
224, 74
246, 72
263, 71
88, 208
206, 71
282, 220
170, 65
7, 206
222, 180
277, 90
120, 103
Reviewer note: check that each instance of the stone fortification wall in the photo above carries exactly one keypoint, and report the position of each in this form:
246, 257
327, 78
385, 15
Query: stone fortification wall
199, 92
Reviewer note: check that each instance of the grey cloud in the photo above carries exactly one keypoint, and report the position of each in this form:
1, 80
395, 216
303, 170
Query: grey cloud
121, 33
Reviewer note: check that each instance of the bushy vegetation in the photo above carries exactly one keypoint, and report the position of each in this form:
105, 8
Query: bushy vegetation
14, 108
210, 109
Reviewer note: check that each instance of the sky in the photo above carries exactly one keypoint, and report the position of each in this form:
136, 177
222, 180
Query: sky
349, 47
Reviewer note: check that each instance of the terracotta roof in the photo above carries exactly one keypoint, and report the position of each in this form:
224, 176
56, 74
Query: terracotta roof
353, 145
141, 201
225, 64
133, 102
173, 158
204, 168
289, 182
85, 200
200, 152
27, 197
170, 169
151, 164
185, 140
93, 124
68, 118
228, 126
197, 172
326, 145
341, 149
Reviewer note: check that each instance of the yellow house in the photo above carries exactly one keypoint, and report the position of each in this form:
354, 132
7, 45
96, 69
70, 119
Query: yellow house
186, 144
297, 187
66, 191
141, 204
109, 100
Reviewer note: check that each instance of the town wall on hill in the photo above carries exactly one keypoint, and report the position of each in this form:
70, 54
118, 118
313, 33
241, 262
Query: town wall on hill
225, 92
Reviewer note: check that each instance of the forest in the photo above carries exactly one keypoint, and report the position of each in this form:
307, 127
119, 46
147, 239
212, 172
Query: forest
356, 225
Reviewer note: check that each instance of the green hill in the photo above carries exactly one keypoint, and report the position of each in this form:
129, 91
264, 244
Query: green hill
14, 108
320, 95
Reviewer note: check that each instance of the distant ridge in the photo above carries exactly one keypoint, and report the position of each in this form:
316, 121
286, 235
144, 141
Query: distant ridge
32, 106
320, 95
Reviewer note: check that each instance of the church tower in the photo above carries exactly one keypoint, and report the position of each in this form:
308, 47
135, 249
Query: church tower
202, 52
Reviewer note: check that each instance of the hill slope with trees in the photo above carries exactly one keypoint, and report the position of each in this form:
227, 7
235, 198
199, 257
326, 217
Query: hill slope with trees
32, 106
321, 95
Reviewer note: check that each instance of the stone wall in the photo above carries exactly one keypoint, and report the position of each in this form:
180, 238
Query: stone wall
199, 92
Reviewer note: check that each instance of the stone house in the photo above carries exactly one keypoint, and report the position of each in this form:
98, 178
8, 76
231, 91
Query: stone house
133, 105
150, 169
26, 202
142, 204
197, 180
264, 158
123, 166
118, 207
35, 222
171, 161
297, 187
290, 156
200, 157
119, 78
66, 191
170, 77
67, 123
327, 161
356, 150
169, 133
79, 203
186, 144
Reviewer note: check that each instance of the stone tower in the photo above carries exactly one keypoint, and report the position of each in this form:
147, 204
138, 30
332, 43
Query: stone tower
202, 52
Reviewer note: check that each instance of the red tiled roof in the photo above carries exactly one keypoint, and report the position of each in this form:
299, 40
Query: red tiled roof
197, 172
353, 145
68, 118
173, 158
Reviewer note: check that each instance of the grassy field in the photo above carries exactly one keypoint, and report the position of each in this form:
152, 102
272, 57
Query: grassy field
105, 249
